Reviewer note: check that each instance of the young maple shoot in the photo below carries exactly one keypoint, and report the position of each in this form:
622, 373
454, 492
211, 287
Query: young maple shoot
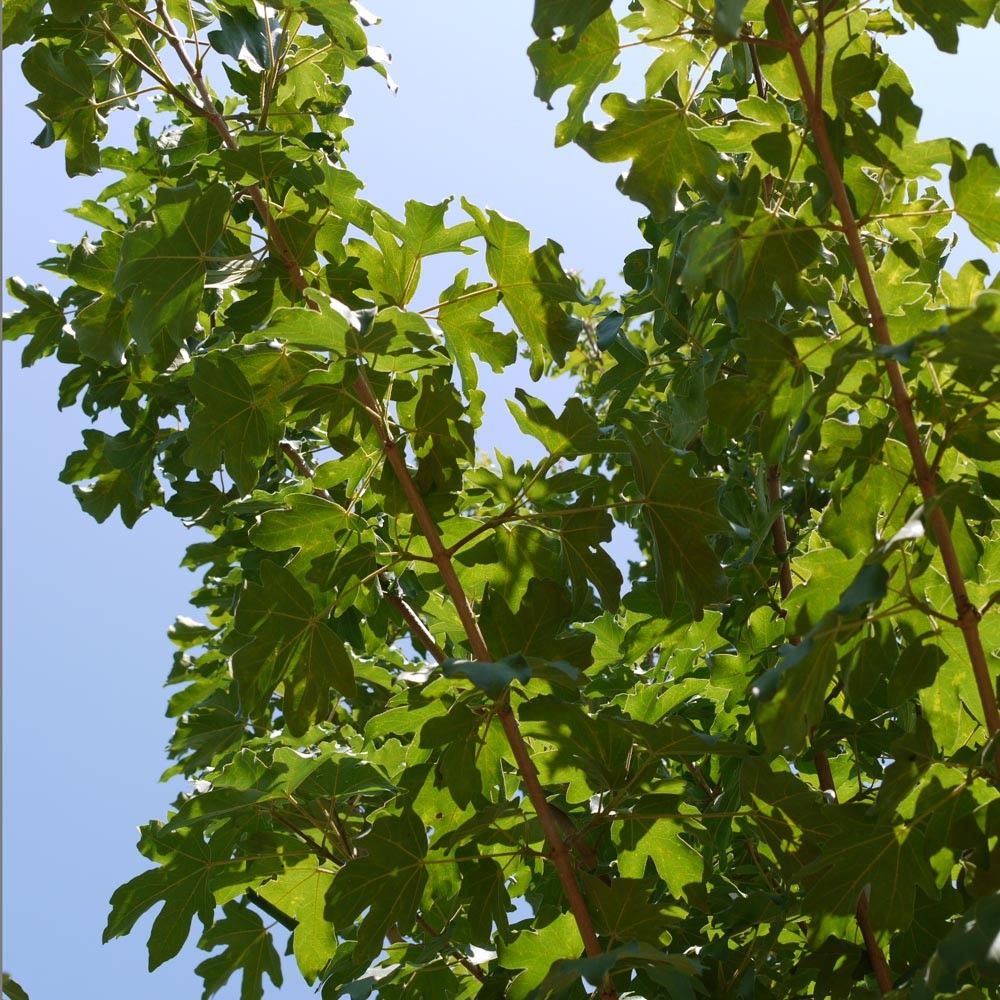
436, 725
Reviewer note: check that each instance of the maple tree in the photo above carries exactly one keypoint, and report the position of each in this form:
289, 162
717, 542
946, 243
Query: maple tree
436, 725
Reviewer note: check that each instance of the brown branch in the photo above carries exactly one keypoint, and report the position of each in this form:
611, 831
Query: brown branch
417, 627
559, 852
440, 556
967, 614
812, 98
779, 532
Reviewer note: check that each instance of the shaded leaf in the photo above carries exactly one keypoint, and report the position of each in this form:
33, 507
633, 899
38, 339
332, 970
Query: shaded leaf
293, 649
248, 948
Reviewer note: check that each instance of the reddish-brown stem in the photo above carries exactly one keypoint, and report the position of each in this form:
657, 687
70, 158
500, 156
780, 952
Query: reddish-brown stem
417, 627
779, 532
442, 559
301, 466
558, 850
882, 974
968, 616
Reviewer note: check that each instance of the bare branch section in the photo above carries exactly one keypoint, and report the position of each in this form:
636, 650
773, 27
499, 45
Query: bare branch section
558, 850
967, 614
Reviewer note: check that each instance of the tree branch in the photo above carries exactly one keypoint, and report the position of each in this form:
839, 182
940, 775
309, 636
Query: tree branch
967, 614
473, 970
440, 556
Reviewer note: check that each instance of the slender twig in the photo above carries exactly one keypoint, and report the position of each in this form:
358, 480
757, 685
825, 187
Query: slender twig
882, 975
820, 757
302, 466
967, 614
417, 627
779, 532
467, 964
318, 848
163, 81
212, 114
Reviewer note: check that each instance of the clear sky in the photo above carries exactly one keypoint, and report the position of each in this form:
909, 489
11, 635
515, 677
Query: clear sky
86, 606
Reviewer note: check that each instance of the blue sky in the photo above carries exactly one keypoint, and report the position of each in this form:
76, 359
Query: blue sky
86, 606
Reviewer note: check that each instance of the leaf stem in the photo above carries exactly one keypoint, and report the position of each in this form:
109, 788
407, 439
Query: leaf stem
473, 970
289, 923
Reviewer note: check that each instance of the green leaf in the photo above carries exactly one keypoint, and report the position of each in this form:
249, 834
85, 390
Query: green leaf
300, 891
975, 191
535, 951
582, 62
181, 882
539, 629
682, 512
671, 845
293, 647
11, 988
942, 22
234, 424
574, 433
312, 525
533, 288
792, 694
248, 948
387, 882
970, 945
460, 316
42, 320
101, 331
491, 678
249, 38
565, 972
18, 23
916, 668
886, 862
164, 262
326, 328
487, 901
727, 21
66, 103
641, 131
548, 15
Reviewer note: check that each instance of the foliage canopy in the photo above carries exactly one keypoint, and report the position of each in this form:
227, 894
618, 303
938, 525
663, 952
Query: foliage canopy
436, 726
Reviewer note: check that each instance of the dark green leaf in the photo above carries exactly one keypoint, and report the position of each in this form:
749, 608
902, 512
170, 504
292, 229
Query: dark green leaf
533, 288
294, 649
387, 882
727, 22
491, 678
247, 947
164, 262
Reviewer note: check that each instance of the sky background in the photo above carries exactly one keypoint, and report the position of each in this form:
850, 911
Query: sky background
86, 606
